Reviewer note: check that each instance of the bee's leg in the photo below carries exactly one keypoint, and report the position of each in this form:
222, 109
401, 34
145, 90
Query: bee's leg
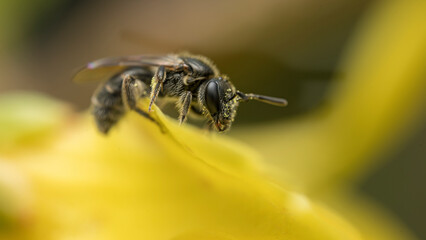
197, 111
185, 104
131, 91
157, 85
208, 127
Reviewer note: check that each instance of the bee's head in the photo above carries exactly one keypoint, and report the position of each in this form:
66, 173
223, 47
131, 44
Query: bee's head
220, 102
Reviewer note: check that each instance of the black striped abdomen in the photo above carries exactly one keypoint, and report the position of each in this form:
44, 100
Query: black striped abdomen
108, 105
107, 102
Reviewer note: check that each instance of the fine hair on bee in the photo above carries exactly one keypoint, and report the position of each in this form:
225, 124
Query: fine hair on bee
192, 80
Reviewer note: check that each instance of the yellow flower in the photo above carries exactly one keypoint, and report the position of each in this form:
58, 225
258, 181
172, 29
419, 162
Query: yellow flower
61, 179
140, 183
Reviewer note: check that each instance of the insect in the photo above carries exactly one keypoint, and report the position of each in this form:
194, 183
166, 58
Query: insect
193, 80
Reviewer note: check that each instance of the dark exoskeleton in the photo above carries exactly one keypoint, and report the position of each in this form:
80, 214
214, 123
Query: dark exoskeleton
193, 80
109, 104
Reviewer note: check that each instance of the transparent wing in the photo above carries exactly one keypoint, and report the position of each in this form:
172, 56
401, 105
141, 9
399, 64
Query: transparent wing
98, 74
105, 68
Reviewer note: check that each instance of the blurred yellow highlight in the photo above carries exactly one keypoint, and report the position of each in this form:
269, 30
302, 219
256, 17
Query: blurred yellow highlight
61, 179
140, 183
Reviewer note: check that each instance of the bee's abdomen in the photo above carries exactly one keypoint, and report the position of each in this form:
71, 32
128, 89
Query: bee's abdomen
108, 105
107, 102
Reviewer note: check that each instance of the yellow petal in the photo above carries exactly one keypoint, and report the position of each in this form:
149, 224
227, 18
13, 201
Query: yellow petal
372, 220
29, 119
140, 183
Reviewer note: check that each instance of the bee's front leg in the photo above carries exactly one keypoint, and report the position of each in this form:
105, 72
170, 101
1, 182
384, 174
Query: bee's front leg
157, 84
185, 104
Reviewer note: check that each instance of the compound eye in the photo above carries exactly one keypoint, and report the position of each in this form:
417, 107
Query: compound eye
212, 97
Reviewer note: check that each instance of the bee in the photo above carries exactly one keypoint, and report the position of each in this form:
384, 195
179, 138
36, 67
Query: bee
192, 80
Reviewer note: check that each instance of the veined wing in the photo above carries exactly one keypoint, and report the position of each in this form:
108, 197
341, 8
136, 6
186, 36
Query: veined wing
105, 68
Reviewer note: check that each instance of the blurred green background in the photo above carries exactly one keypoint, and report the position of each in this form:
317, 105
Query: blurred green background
289, 49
